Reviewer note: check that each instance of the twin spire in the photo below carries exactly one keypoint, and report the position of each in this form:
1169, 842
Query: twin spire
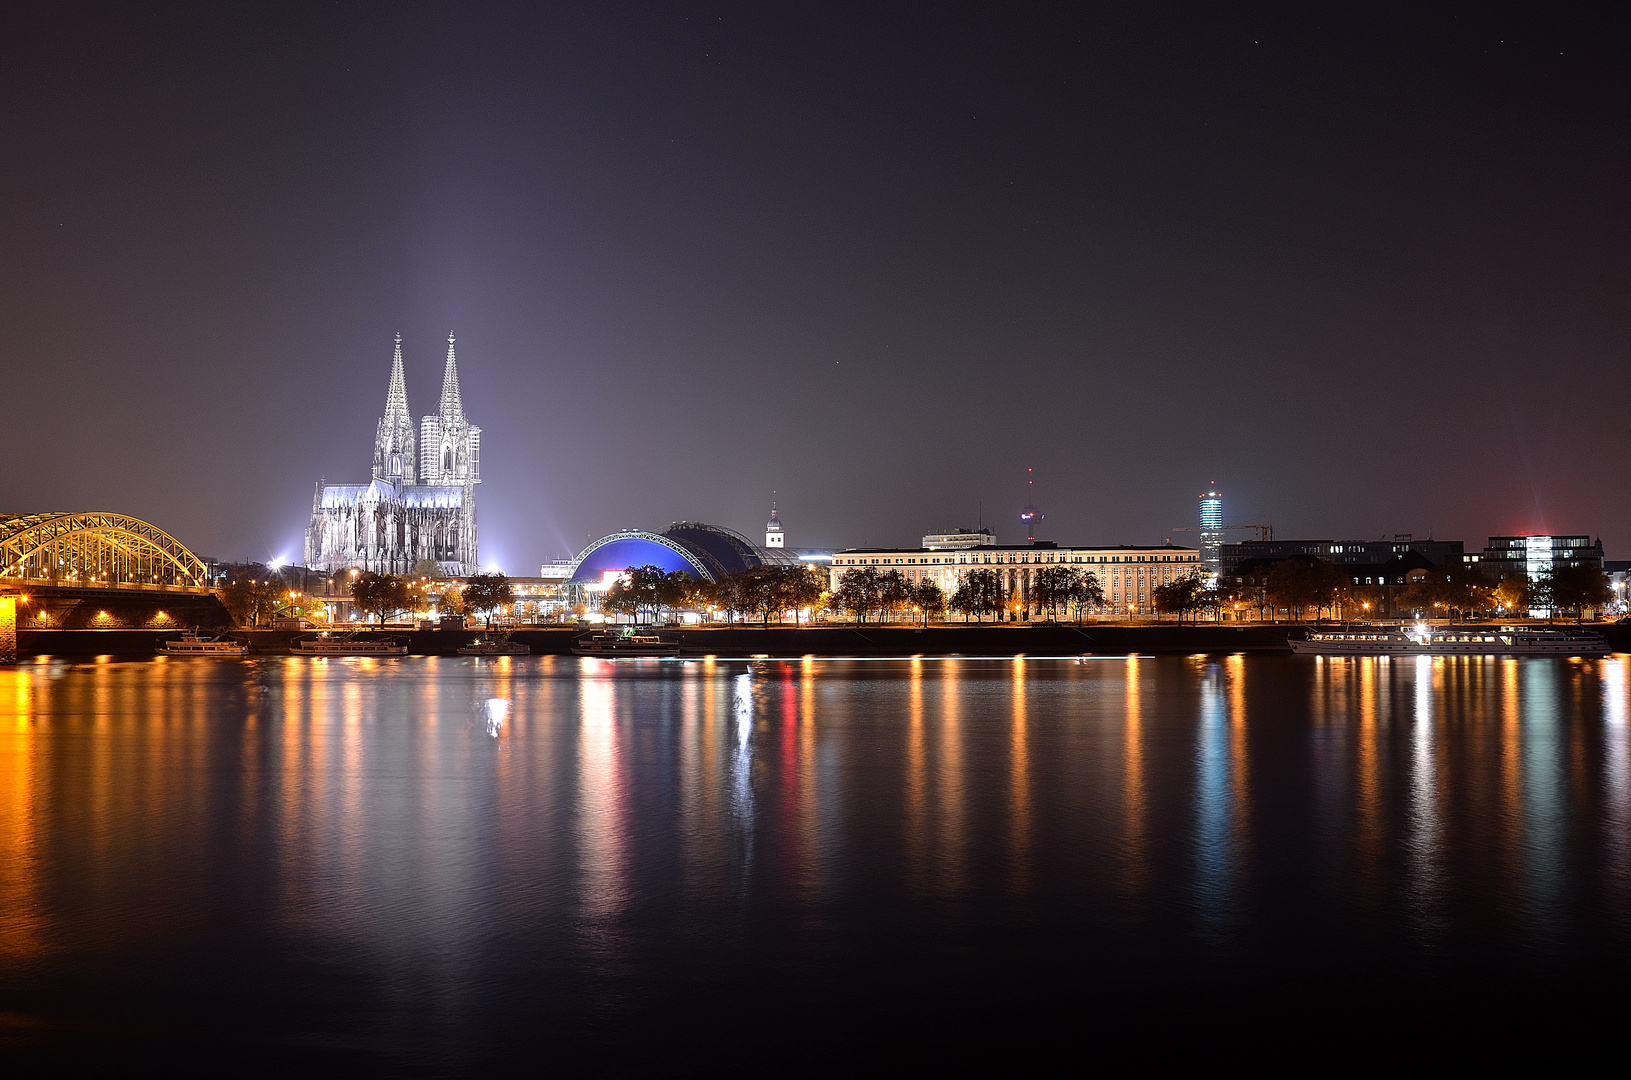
451, 408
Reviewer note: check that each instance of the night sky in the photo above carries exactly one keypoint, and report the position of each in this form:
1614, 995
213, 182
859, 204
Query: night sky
1367, 271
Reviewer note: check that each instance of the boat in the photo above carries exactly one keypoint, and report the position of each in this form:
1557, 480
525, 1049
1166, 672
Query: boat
495, 645
347, 645
626, 642
1424, 640
193, 643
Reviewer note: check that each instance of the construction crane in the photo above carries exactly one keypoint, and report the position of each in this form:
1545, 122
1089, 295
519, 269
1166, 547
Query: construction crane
1264, 529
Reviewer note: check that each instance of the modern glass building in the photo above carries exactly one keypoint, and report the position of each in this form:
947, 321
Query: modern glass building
1211, 532
1533, 556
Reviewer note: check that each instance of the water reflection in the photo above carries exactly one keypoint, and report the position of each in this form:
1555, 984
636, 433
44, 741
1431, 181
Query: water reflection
443, 823
1019, 781
600, 801
1134, 854
1617, 773
1423, 833
1215, 803
1544, 796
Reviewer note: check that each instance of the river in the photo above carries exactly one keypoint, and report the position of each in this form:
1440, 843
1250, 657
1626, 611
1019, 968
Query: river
429, 865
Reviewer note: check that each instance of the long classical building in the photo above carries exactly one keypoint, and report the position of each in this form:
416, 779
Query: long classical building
1128, 574
419, 506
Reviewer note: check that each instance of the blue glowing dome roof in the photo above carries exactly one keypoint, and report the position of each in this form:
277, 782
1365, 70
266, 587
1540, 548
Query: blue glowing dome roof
623, 550
706, 552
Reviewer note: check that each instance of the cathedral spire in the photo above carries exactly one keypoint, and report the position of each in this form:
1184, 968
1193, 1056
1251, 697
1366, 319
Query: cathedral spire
394, 452
451, 409
396, 398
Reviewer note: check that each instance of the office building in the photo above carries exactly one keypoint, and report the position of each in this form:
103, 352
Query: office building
1127, 574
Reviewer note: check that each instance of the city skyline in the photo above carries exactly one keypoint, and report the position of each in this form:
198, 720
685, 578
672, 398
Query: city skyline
1363, 270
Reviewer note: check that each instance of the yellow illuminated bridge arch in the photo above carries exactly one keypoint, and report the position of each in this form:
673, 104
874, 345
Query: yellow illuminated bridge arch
95, 551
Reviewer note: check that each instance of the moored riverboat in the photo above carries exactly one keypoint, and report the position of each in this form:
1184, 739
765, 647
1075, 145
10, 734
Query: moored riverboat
193, 643
495, 645
326, 644
1424, 640
625, 643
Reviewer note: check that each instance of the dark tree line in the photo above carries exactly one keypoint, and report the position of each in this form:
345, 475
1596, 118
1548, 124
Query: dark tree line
867, 592
756, 592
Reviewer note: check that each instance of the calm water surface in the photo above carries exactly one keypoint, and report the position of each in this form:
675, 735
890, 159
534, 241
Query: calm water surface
432, 864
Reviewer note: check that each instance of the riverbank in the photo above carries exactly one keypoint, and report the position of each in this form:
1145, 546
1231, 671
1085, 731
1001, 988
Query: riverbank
826, 639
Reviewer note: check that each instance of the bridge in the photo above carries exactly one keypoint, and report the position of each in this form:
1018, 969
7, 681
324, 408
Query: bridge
95, 570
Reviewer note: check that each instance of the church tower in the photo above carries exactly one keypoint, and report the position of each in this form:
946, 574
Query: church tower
449, 445
773, 530
394, 454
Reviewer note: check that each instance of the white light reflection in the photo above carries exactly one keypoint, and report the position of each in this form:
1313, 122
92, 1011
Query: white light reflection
742, 769
1214, 853
601, 825
1617, 754
1545, 799
1422, 842
498, 709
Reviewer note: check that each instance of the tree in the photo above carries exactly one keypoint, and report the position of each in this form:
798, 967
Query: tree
701, 595
1456, 587
250, 591
620, 599
805, 586
448, 599
894, 592
765, 585
1179, 597
671, 590
858, 592
1086, 593
1512, 593
979, 592
1299, 584
488, 592
1053, 586
381, 594
1251, 589
929, 598
1576, 588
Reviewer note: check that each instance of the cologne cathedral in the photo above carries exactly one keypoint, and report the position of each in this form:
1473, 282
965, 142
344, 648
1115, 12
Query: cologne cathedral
419, 506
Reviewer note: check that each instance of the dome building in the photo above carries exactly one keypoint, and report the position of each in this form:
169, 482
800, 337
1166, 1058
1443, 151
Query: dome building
773, 530
705, 552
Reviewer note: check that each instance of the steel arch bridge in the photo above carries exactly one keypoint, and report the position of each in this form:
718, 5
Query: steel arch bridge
96, 551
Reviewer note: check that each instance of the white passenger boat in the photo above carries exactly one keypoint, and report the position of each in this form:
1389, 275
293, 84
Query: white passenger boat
347, 645
1424, 640
193, 643
626, 643
495, 645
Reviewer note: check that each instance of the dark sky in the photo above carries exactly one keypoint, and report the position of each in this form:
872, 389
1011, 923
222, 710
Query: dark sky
1367, 271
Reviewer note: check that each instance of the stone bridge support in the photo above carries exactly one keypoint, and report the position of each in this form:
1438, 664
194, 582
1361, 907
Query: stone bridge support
8, 629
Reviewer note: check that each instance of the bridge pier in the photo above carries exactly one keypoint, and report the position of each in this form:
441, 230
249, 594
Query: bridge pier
8, 629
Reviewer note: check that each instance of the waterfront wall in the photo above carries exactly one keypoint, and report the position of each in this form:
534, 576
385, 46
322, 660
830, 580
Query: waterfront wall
822, 640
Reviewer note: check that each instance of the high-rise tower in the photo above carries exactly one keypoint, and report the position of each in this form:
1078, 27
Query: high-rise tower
1212, 532
393, 440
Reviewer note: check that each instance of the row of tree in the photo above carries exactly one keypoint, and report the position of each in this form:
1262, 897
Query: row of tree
252, 592
1304, 588
762, 592
386, 595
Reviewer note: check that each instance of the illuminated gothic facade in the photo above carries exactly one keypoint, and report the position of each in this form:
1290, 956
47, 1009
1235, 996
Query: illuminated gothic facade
420, 504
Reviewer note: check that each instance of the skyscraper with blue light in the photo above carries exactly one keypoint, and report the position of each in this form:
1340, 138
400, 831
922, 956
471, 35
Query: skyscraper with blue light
1211, 532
